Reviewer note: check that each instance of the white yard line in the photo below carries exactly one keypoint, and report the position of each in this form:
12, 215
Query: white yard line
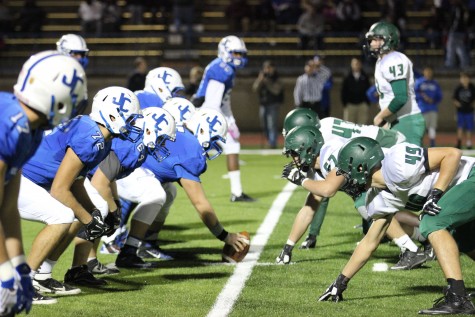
231, 291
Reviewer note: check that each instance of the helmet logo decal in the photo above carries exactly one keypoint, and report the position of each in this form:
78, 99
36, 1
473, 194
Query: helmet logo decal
159, 120
183, 111
72, 85
213, 122
164, 77
121, 102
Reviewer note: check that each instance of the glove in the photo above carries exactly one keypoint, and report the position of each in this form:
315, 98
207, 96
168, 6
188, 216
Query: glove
294, 174
96, 228
26, 292
285, 255
8, 295
112, 221
430, 207
335, 290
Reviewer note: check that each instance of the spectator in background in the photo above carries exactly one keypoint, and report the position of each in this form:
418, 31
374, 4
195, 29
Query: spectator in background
271, 96
30, 18
428, 96
309, 87
136, 8
183, 18
239, 13
353, 94
464, 97
196, 73
90, 13
434, 25
286, 13
456, 46
326, 103
136, 80
111, 16
310, 26
348, 14
395, 12
264, 18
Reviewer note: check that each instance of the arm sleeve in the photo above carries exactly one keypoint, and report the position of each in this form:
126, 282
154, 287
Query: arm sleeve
214, 95
110, 166
399, 88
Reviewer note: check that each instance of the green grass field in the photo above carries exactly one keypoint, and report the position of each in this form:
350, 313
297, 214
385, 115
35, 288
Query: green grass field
190, 285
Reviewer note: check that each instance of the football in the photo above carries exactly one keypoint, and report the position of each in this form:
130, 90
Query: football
232, 256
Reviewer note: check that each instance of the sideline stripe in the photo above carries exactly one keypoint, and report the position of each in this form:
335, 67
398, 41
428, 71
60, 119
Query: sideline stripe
231, 291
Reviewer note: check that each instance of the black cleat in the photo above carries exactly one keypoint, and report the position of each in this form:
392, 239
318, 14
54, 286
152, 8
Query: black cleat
452, 304
309, 243
410, 260
80, 275
39, 299
243, 198
133, 261
96, 267
52, 286
429, 251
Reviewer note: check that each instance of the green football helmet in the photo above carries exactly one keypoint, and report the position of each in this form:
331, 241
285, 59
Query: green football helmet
300, 117
386, 31
357, 158
304, 145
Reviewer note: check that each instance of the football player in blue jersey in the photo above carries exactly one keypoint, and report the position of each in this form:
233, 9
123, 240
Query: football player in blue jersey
52, 189
75, 46
214, 92
154, 196
125, 157
48, 90
199, 141
161, 84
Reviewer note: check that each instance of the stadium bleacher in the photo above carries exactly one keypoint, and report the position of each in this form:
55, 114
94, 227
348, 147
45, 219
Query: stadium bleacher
110, 52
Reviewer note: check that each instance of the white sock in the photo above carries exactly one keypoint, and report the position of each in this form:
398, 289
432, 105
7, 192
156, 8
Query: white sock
235, 179
46, 267
290, 242
405, 242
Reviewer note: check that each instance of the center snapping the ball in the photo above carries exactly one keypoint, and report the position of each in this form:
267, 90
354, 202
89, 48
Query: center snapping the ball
232, 256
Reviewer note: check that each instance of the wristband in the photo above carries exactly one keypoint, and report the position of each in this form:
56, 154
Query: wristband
223, 235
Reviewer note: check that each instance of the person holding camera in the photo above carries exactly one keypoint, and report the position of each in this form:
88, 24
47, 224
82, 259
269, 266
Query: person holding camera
271, 95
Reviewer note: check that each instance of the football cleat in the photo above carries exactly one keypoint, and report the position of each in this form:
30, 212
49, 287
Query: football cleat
52, 286
150, 251
133, 261
285, 255
410, 260
80, 275
429, 251
309, 243
39, 299
96, 267
243, 198
451, 303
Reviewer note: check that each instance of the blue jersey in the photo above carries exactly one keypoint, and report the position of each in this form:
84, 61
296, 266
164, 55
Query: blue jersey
186, 160
18, 143
432, 90
129, 156
149, 99
82, 135
219, 71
